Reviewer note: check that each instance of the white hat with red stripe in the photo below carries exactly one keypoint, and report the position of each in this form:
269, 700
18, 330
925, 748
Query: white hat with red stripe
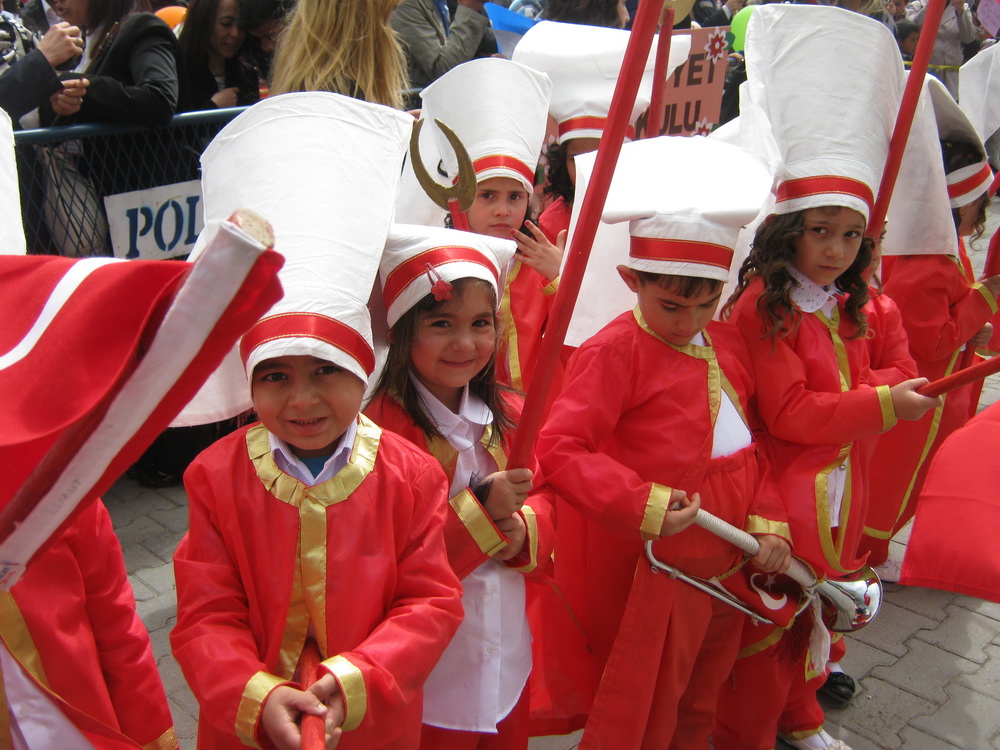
689, 226
919, 220
498, 109
967, 183
420, 260
824, 86
583, 63
324, 169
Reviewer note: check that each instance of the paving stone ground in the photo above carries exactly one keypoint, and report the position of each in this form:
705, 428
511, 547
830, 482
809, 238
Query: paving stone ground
928, 667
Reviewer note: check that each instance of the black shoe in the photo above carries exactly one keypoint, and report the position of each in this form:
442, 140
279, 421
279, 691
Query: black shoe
838, 689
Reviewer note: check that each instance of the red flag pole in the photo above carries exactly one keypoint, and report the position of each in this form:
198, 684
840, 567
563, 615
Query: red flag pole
313, 727
636, 54
904, 120
971, 374
654, 124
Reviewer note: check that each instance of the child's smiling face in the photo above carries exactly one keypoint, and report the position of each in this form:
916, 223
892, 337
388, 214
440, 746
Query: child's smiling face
830, 240
307, 402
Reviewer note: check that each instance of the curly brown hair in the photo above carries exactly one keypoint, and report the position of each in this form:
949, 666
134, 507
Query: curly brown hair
771, 254
395, 380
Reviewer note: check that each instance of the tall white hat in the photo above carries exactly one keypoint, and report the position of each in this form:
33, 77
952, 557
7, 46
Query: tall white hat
686, 226
583, 63
324, 169
498, 109
828, 83
421, 260
11, 228
919, 220
968, 183
979, 91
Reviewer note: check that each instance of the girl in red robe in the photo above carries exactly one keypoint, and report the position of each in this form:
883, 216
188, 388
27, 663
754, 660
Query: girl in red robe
439, 390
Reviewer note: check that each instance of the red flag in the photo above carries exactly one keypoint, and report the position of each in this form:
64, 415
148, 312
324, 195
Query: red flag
96, 357
953, 542
773, 596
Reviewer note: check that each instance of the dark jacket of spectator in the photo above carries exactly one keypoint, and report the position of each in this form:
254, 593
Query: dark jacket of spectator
430, 51
26, 78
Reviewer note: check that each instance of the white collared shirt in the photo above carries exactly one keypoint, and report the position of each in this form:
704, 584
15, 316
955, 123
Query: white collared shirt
481, 674
730, 433
35, 721
809, 297
292, 465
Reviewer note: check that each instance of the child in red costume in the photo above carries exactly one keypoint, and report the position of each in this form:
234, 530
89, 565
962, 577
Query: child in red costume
945, 311
654, 422
799, 306
439, 390
504, 143
78, 669
315, 524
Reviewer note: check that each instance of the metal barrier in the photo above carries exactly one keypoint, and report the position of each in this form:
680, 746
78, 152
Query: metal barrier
66, 173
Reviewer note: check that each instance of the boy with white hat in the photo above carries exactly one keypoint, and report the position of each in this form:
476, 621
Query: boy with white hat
498, 109
654, 421
583, 63
313, 524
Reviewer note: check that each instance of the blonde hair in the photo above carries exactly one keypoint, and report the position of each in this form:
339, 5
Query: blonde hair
344, 46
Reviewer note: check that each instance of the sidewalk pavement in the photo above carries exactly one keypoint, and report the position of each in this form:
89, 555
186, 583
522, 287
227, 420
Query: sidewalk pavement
928, 667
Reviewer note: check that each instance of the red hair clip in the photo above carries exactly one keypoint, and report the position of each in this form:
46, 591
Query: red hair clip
440, 288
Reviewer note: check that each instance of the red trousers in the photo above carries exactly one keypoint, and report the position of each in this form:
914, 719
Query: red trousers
769, 692
512, 733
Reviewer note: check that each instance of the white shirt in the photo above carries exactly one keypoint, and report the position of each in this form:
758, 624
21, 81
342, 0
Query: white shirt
292, 465
809, 297
35, 721
481, 674
730, 433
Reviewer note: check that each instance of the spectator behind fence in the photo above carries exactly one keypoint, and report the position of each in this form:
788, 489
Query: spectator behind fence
211, 43
436, 40
263, 21
28, 70
344, 46
129, 66
956, 29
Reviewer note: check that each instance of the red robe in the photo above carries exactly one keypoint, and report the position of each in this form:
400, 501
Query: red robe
555, 219
888, 345
524, 311
635, 419
71, 624
471, 535
953, 542
818, 401
358, 559
942, 309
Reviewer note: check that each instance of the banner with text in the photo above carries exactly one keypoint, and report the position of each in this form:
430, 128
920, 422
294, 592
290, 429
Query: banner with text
158, 223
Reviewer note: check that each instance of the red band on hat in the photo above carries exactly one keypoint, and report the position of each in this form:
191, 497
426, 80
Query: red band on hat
499, 161
589, 123
313, 326
803, 187
681, 251
983, 177
413, 268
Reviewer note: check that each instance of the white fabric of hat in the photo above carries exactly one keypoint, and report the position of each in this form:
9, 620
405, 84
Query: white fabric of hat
687, 225
979, 91
417, 258
827, 83
498, 109
968, 183
584, 63
11, 230
919, 220
324, 170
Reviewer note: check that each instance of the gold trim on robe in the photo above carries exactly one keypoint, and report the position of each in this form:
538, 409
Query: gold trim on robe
248, 713
988, 296
888, 410
307, 602
352, 688
656, 510
509, 333
478, 523
166, 741
531, 530
761, 525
